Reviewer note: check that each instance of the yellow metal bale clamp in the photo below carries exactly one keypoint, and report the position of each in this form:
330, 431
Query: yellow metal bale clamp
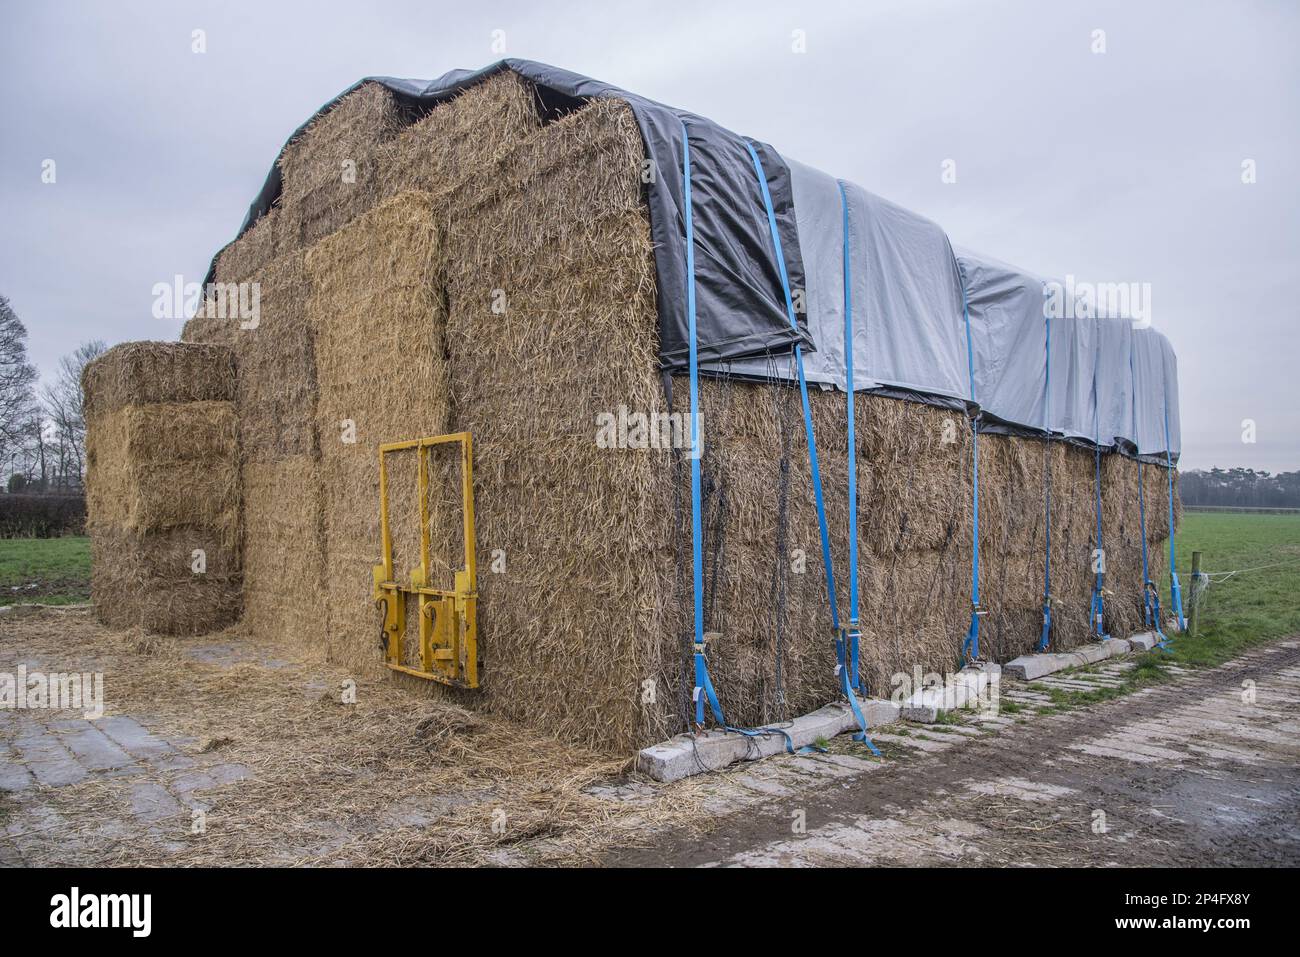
448, 619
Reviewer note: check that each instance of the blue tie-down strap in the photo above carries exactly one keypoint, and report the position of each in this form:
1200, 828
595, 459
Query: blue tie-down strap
1154, 613
766, 733
970, 648
842, 672
1176, 599
1097, 612
703, 689
855, 639
862, 735
1045, 637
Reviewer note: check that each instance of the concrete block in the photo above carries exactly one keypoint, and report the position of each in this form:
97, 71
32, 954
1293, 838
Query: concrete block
1144, 641
689, 754
1029, 667
966, 689
57, 772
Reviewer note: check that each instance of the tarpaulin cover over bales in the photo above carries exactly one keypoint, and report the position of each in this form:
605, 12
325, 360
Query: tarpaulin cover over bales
379, 321
1107, 383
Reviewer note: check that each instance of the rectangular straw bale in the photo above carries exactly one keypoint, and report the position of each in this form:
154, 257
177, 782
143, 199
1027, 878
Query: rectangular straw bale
442, 148
277, 368
162, 465
137, 373
276, 388
562, 185
380, 358
284, 552
586, 526
155, 582
329, 170
249, 253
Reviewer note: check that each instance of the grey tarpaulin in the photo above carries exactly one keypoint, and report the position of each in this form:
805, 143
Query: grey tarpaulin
1114, 382
1111, 383
1009, 339
907, 320
1012, 316
740, 306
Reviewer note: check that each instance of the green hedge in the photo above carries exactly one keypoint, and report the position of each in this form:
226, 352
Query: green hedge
41, 516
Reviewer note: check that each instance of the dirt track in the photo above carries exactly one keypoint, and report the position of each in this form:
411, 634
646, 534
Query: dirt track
1189, 773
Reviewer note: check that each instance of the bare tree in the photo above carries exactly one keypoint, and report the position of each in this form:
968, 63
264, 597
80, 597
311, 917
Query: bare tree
17, 376
63, 405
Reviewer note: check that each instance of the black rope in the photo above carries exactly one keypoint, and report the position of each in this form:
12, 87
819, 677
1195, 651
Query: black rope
781, 566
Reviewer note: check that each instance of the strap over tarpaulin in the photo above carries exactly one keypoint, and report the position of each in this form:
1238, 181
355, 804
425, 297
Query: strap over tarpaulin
841, 664
1097, 606
1045, 638
703, 683
1150, 593
854, 634
1175, 589
970, 649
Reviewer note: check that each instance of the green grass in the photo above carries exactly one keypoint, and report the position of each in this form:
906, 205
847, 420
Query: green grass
1256, 604
49, 571
1253, 606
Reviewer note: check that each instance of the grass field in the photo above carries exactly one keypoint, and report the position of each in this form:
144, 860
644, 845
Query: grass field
1258, 601
1254, 593
49, 571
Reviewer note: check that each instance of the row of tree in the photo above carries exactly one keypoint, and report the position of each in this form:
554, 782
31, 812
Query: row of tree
1240, 488
42, 429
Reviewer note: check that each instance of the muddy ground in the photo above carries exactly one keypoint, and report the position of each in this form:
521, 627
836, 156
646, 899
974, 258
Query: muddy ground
226, 751
1202, 771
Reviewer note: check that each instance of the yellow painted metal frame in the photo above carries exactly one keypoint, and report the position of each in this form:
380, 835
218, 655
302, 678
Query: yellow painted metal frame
448, 619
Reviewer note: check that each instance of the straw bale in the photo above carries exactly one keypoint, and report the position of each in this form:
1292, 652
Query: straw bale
248, 253
283, 548
381, 362
329, 170
456, 137
153, 580
135, 373
276, 387
164, 465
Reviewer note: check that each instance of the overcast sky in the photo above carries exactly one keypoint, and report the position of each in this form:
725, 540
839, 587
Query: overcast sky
1122, 166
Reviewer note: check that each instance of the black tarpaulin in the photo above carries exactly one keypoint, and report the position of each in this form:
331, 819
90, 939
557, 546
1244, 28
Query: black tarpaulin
740, 306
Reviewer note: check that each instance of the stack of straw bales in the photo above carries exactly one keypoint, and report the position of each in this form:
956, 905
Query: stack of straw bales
491, 272
162, 486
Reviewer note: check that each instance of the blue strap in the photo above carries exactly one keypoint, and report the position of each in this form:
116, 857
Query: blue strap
803, 392
854, 635
1151, 594
767, 733
970, 649
858, 716
1046, 636
1175, 590
1097, 608
840, 663
703, 684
